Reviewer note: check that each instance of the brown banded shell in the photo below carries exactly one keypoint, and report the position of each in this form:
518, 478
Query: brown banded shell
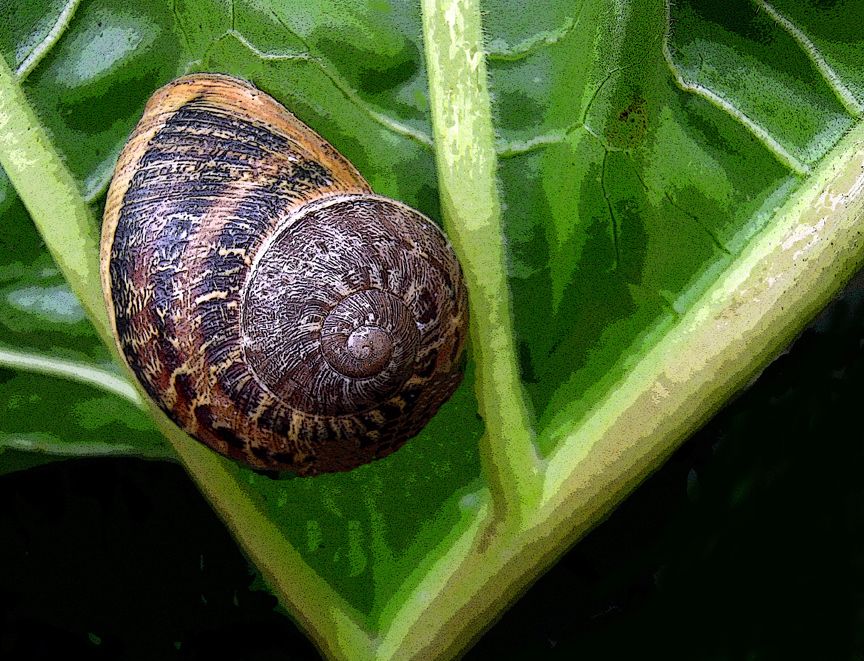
265, 298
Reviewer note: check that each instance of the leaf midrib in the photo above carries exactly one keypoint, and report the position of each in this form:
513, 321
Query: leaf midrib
270, 546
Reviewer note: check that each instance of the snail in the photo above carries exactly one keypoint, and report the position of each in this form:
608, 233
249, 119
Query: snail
267, 300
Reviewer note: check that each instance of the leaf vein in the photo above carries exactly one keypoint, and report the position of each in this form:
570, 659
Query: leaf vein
46, 444
498, 50
70, 370
613, 221
380, 118
511, 148
41, 49
675, 205
843, 93
780, 153
179, 23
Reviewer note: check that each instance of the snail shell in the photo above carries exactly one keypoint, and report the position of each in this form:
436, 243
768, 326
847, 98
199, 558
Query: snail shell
271, 304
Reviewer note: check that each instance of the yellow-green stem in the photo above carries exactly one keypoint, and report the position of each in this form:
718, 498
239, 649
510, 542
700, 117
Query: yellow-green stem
52, 197
467, 166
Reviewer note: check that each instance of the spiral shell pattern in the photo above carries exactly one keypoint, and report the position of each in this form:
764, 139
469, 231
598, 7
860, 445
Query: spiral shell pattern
266, 299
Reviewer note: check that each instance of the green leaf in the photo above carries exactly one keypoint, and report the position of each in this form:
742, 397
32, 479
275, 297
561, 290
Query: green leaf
54, 417
62, 394
649, 203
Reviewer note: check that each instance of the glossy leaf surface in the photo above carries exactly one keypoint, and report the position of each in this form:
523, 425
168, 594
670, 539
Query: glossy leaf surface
642, 152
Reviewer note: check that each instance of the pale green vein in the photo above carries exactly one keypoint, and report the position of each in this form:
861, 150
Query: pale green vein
376, 116
843, 93
467, 164
511, 148
70, 370
43, 47
759, 132
47, 444
499, 50
264, 55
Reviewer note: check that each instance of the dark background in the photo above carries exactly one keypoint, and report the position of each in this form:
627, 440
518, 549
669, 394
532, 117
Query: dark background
747, 544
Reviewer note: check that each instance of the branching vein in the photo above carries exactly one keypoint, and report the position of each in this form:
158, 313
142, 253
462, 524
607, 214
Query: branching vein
43, 47
714, 238
378, 117
71, 370
759, 132
613, 220
843, 93
500, 51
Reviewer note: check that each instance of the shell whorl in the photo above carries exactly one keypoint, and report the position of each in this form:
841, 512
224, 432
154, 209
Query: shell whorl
271, 304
